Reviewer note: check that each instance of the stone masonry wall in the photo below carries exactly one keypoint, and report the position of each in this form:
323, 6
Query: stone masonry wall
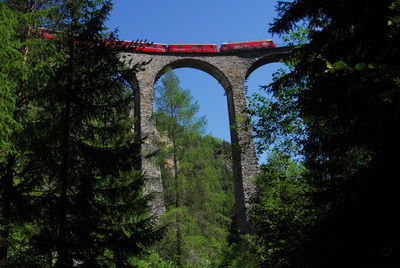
231, 70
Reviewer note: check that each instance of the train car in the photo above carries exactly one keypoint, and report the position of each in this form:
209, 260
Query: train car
150, 47
136, 46
247, 45
192, 48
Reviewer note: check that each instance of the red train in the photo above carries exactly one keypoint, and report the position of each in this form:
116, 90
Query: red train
225, 47
247, 45
192, 48
210, 48
158, 47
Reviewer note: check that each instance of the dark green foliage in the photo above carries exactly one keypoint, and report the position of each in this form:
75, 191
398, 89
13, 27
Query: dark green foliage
276, 119
283, 213
26, 66
277, 123
349, 102
91, 206
69, 189
281, 217
8, 55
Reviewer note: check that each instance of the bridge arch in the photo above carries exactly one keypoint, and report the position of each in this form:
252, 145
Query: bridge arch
270, 58
198, 64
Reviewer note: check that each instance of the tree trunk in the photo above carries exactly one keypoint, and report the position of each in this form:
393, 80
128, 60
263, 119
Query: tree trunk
62, 249
62, 255
179, 239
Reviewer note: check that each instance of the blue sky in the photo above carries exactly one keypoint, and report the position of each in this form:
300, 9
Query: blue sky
202, 22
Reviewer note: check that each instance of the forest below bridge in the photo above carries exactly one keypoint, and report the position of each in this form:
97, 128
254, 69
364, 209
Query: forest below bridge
71, 188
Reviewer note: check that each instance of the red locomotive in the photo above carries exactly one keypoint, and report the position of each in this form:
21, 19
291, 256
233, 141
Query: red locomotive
192, 48
247, 45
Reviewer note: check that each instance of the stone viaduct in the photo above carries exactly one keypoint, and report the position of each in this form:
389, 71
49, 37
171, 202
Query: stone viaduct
231, 71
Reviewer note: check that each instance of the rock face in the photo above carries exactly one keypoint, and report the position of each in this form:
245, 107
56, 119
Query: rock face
231, 70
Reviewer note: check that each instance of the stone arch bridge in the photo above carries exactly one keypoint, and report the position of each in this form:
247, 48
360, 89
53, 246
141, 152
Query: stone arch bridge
231, 71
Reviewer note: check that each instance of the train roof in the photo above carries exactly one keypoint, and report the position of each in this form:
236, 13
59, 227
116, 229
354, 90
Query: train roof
140, 42
192, 44
269, 40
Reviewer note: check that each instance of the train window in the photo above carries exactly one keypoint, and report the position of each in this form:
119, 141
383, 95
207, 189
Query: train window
154, 45
179, 46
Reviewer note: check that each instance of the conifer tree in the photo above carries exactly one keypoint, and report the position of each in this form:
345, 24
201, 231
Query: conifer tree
176, 118
8, 124
348, 76
26, 66
88, 203
197, 181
